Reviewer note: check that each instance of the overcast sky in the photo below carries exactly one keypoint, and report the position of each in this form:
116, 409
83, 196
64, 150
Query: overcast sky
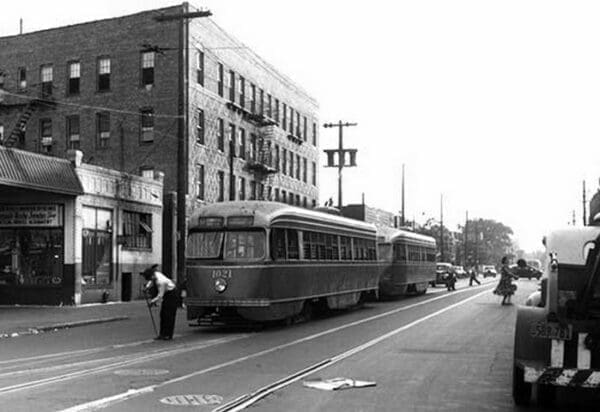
493, 103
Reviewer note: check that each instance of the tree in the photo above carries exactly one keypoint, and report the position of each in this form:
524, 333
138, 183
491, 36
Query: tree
432, 228
487, 241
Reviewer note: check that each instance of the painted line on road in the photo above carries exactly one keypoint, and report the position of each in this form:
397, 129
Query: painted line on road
116, 365
105, 402
249, 399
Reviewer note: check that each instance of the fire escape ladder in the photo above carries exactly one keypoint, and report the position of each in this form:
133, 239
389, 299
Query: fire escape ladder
20, 126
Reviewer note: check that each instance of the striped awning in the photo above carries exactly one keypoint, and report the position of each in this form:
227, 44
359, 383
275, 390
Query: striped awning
27, 170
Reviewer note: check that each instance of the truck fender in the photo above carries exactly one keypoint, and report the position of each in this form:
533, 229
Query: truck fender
527, 348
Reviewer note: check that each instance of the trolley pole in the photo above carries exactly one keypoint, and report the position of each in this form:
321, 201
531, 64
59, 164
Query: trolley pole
341, 155
584, 206
402, 220
442, 227
466, 237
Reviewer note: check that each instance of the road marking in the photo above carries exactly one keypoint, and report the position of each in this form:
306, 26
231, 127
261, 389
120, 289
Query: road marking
141, 372
135, 358
105, 402
250, 399
192, 400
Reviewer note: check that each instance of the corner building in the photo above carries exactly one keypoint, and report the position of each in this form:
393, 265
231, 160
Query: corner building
113, 88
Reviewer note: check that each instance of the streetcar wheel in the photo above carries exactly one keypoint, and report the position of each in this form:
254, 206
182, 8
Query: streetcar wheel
546, 394
521, 389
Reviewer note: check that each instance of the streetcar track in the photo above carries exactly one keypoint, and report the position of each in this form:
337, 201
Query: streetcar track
132, 393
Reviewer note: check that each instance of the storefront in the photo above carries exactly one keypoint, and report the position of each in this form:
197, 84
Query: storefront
73, 233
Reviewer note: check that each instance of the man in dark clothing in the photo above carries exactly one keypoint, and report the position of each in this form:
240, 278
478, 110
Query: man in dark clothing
473, 277
167, 294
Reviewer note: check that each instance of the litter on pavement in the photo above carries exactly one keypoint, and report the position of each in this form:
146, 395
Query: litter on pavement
336, 384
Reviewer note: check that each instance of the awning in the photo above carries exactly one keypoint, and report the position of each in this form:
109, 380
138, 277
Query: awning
27, 170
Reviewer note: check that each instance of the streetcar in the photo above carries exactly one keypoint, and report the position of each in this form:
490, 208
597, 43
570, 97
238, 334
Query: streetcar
408, 261
263, 261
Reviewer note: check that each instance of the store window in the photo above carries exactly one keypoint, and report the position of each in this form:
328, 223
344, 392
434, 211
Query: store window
97, 246
31, 245
137, 230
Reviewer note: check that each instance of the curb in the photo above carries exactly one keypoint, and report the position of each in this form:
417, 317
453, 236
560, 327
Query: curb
41, 329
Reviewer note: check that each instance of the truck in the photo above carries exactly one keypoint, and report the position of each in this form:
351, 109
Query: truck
557, 343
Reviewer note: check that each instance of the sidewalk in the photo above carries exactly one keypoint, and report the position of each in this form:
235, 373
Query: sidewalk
28, 320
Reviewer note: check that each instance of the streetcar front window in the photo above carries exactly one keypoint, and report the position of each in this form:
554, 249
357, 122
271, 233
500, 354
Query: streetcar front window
205, 245
244, 245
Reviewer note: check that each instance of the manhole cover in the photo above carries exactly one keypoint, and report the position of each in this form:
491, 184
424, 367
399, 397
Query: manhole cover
192, 400
141, 372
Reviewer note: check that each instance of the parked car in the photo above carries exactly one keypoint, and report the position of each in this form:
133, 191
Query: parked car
488, 270
523, 270
460, 272
441, 270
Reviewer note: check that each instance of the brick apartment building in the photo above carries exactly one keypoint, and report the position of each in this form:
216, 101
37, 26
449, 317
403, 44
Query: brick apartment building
114, 89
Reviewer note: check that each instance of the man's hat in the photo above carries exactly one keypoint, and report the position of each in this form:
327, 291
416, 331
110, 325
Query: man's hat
147, 274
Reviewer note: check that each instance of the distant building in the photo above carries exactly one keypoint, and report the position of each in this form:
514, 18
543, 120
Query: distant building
111, 88
74, 233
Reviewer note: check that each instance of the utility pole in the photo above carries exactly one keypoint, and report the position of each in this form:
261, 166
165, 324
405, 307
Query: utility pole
574, 220
183, 126
341, 155
442, 227
584, 206
466, 236
402, 220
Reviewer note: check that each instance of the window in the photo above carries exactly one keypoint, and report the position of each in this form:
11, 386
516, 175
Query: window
305, 129
22, 77
277, 168
220, 80
262, 102
244, 245
221, 180
232, 139
252, 190
242, 91
74, 78
252, 98
298, 133
298, 167
291, 121
147, 125
103, 129
261, 191
221, 135
147, 171
200, 67
204, 244
103, 74
304, 173
137, 230
291, 198
46, 76
232, 85
345, 245
314, 173
242, 143
277, 194
148, 59
276, 114
284, 161
314, 203
252, 146
400, 252
304, 202
284, 119
291, 165
46, 135
283, 196
200, 177
269, 192
200, 127
269, 102
73, 132
1, 132
314, 140
284, 244
97, 246
242, 194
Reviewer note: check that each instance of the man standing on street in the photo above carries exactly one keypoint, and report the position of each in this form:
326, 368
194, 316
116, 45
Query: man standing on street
167, 294
473, 277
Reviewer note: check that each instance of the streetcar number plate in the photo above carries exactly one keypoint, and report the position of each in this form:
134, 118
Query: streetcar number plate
547, 330
221, 273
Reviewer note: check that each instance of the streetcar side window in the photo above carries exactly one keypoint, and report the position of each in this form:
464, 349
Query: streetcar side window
345, 248
400, 251
293, 250
285, 244
204, 245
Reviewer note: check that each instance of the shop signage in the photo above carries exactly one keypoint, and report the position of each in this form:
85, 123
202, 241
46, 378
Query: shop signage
30, 215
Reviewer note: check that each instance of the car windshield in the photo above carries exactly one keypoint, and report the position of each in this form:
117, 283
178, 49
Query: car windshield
234, 245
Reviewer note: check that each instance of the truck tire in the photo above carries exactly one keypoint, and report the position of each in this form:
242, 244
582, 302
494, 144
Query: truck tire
521, 389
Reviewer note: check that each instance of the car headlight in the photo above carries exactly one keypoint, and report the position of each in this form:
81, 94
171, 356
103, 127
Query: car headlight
220, 285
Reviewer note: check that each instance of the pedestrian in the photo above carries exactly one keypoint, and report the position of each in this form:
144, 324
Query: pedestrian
167, 294
473, 277
505, 287
451, 280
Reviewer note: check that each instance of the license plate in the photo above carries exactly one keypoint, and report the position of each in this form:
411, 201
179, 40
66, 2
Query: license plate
547, 330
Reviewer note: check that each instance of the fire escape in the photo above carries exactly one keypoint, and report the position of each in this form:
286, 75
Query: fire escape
27, 105
260, 161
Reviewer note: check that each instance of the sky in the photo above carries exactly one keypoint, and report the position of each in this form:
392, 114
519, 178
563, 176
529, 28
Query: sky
493, 104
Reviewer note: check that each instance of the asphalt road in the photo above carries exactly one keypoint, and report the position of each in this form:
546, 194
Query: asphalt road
441, 351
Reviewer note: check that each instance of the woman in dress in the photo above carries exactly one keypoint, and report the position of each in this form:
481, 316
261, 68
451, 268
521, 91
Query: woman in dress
505, 286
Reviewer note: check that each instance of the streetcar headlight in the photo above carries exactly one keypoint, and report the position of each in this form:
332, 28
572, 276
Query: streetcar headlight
220, 285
